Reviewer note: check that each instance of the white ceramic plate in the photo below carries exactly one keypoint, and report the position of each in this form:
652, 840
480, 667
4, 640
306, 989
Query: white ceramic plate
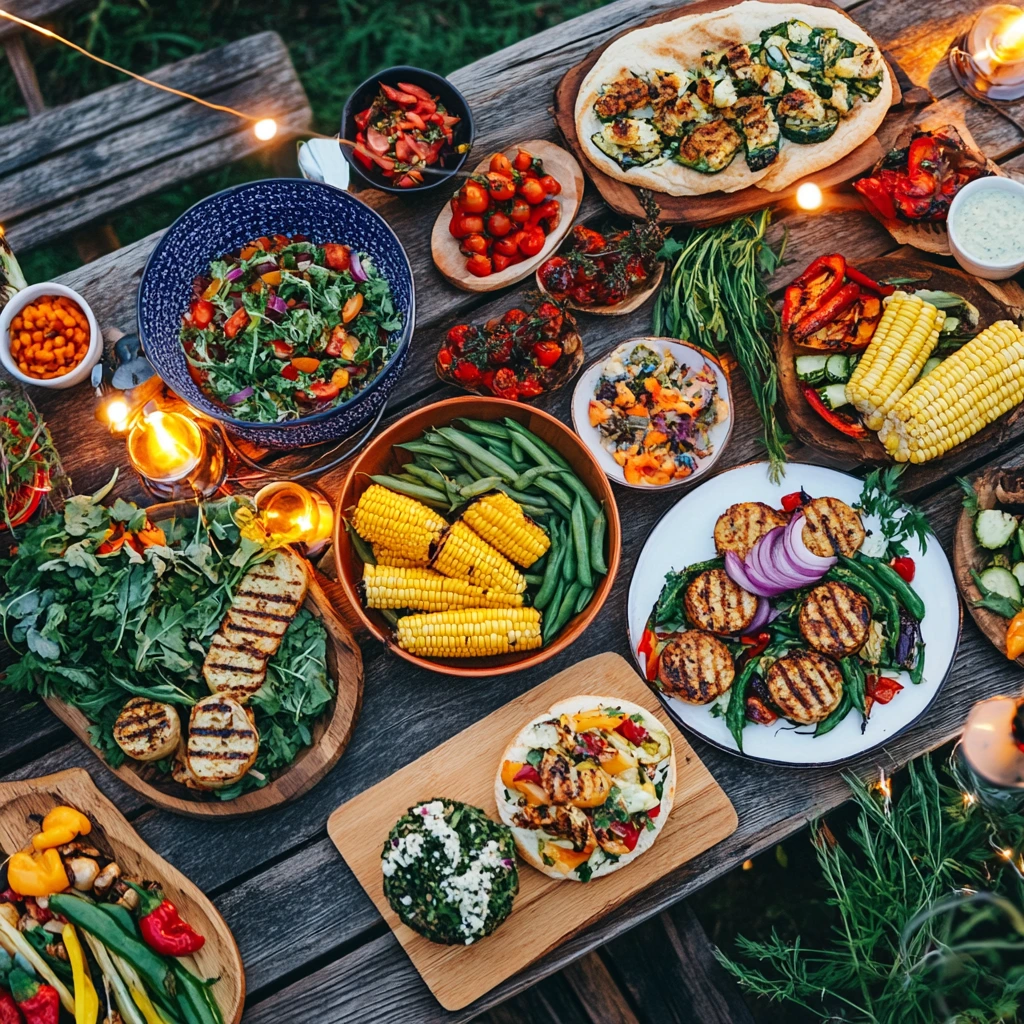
688, 356
685, 535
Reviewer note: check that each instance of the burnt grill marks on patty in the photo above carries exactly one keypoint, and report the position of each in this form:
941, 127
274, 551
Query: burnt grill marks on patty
715, 603
832, 527
742, 525
806, 686
696, 667
834, 619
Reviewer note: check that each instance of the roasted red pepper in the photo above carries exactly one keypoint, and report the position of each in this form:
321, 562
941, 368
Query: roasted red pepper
880, 690
843, 422
647, 645
756, 644
39, 1002
9, 1012
528, 773
632, 731
878, 192
627, 832
824, 314
813, 288
866, 282
162, 927
792, 501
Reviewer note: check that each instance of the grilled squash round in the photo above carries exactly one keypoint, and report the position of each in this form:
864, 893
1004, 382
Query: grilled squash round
834, 619
742, 525
695, 667
805, 686
831, 527
715, 603
147, 730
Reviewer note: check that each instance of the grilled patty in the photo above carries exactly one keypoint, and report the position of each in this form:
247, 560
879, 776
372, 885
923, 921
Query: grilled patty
695, 667
147, 730
222, 742
742, 525
834, 619
806, 686
831, 527
715, 603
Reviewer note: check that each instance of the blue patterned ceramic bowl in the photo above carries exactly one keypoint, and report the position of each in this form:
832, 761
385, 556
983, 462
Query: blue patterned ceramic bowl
225, 222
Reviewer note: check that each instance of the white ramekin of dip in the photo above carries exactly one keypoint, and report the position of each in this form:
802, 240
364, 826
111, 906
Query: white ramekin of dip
986, 227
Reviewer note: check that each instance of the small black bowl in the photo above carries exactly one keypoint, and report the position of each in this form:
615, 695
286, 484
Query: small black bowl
454, 102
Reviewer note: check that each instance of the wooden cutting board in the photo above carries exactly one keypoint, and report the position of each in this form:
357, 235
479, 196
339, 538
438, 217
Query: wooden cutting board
714, 207
547, 911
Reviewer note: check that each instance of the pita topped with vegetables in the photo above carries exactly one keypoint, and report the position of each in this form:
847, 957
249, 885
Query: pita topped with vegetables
587, 787
757, 94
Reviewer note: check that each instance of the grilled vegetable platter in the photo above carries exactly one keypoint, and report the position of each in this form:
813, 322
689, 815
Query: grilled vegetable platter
183, 649
802, 622
874, 359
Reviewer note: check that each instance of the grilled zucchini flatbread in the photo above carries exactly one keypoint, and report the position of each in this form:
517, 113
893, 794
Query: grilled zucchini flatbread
267, 599
222, 742
147, 730
756, 94
587, 787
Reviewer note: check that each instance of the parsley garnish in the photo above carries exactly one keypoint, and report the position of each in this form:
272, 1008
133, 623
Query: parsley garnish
899, 521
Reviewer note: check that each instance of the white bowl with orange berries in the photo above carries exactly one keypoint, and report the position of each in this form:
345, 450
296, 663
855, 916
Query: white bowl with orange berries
49, 336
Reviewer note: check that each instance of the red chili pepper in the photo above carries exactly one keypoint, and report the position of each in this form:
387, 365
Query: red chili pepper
813, 288
635, 733
756, 644
9, 1012
792, 501
162, 927
904, 565
39, 1002
866, 282
824, 314
843, 422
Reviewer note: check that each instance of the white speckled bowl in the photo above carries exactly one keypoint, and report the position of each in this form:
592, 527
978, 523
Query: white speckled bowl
974, 264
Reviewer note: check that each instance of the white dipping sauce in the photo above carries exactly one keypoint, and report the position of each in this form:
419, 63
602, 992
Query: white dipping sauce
990, 225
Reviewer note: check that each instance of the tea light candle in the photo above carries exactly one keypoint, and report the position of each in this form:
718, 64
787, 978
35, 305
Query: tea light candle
291, 513
989, 60
165, 447
992, 746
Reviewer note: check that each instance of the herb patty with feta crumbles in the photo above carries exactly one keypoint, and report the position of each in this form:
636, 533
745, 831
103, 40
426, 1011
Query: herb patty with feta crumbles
449, 871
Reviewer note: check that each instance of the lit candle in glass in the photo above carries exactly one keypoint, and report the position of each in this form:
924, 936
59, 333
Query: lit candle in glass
165, 447
989, 60
992, 747
291, 514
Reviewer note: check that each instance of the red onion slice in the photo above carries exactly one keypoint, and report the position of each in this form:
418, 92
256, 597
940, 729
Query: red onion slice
234, 273
736, 571
356, 268
760, 572
800, 554
239, 396
761, 616
786, 569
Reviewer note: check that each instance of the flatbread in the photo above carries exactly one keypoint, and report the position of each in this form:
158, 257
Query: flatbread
526, 839
676, 46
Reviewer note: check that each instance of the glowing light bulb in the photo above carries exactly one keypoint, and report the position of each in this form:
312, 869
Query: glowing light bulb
265, 129
117, 413
808, 196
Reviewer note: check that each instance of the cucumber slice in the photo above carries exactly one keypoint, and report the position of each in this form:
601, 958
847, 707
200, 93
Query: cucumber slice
811, 369
837, 369
930, 365
1020, 538
1001, 582
993, 529
834, 396
1018, 573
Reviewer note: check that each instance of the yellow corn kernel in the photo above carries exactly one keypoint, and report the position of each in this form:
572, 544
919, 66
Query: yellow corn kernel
465, 556
387, 586
401, 524
385, 556
502, 523
471, 632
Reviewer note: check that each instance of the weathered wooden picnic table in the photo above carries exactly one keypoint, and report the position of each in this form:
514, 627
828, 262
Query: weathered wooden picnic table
313, 945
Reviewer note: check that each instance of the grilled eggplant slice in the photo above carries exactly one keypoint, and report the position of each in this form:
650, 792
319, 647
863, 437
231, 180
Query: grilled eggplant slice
805, 686
760, 130
715, 603
710, 148
742, 525
835, 619
695, 667
831, 527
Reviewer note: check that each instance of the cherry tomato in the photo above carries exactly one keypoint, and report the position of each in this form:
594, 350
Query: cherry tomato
474, 244
552, 319
458, 335
285, 351
792, 501
523, 161
457, 228
520, 212
530, 387
501, 164
289, 372
547, 215
236, 322
532, 242
551, 185
514, 317
532, 191
505, 384
474, 198
473, 223
500, 262
480, 266
500, 187
338, 257
547, 353
202, 312
445, 358
498, 224
904, 565
507, 246
322, 390
466, 372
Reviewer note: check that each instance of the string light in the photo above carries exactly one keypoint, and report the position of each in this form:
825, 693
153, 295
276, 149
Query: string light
265, 129
808, 196
969, 799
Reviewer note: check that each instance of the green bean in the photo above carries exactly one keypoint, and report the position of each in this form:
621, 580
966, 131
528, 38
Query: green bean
579, 539
426, 448
535, 511
436, 462
844, 708
907, 596
524, 480
576, 484
555, 490
528, 438
463, 479
855, 683
484, 427
478, 487
363, 550
552, 574
524, 499
480, 454
467, 464
517, 450
597, 528
584, 599
917, 672
533, 579
499, 448
736, 712
569, 562
553, 626
427, 476
418, 491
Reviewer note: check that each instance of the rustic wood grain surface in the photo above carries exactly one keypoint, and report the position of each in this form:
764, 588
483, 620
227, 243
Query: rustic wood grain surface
313, 944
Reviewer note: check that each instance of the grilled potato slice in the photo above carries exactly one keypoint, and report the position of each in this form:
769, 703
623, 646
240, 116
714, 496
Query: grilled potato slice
266, 601
806, 686
147, 730
742, 525
222, 742
715, 603
834, 619
695, 667
831, 527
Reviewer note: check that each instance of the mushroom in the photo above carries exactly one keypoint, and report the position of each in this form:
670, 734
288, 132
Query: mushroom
106, 878
1010, 490
129, 899
82, 872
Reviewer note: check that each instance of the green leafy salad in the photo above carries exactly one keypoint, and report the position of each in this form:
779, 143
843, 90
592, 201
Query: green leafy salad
102, 606
285, 328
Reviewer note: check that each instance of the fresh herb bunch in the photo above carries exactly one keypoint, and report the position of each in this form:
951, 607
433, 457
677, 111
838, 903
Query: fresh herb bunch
716, 297
95, 627
929, 923
899, 520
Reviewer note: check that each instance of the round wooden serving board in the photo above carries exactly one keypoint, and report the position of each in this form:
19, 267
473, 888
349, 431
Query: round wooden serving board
452, 262
849, 452
23, 803
331, 733
627, 305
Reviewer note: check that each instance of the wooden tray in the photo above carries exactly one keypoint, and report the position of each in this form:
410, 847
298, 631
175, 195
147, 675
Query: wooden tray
715, 206
219, 957
994, 302
547, 911
330, 734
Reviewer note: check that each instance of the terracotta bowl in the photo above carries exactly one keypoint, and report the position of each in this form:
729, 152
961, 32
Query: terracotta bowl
380, 456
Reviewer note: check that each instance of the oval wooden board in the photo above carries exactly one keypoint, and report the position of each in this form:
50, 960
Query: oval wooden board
445, 249
968, 554
627, 305
849, 452
331, 733
219, 957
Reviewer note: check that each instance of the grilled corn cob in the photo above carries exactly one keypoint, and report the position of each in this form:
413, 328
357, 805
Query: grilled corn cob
906, 336
385, 556
502, 523
967, 391
465, 556
394, 587
470, 632
401, 524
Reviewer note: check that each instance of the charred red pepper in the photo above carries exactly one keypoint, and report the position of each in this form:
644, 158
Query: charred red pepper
9, 1012
866, 282
824, 314
528, 773
880, 690
38, 1001
843, 422
647, 646
793, 500
627, 832
904, 565
756, 644
633, 731
813, 288
162, 927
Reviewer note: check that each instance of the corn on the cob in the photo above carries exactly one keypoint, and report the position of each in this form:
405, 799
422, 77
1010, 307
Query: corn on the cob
967, 391
470, 632
502, 522
385, 556
401, 524
421, 589
465, 556
906, 336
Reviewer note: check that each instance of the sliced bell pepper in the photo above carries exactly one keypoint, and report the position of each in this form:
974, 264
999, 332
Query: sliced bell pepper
813, 288
824, 314
842, 422
877, 194
1015, 636
866, 282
